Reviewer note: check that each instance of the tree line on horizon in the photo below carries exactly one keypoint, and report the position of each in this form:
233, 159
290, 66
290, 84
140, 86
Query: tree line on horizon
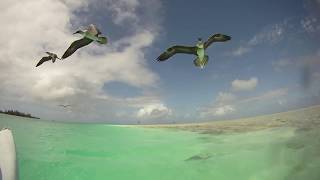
17, 113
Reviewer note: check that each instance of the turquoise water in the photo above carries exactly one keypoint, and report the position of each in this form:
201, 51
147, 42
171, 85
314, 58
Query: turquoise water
55, 151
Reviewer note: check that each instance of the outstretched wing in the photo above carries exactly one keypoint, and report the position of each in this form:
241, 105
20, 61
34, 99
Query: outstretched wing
177, 49
42, 60
102, 40
76, 45
216, 38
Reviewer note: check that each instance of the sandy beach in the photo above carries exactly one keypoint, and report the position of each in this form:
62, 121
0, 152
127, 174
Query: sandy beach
303, 119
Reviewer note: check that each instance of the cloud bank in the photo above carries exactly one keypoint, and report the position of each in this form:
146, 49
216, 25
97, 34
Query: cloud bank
239, 101
32, 27
154, 111
244, 85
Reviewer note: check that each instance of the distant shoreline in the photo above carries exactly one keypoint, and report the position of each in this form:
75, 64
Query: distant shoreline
17, 113
302, 119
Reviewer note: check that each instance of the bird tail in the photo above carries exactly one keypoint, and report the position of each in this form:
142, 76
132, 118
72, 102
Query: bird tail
102, 40
206, 59
203, 63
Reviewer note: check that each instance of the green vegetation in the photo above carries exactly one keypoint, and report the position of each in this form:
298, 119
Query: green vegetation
17, 113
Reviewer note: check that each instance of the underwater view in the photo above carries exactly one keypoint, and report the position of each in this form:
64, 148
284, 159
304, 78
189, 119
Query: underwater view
282, 148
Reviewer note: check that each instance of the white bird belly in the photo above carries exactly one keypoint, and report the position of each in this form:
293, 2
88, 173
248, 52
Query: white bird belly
200, 53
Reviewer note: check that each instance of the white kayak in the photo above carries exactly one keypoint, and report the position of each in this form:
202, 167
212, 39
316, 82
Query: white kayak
8, 166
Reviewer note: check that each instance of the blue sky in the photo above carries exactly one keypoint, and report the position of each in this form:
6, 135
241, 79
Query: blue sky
187, 88
275, 44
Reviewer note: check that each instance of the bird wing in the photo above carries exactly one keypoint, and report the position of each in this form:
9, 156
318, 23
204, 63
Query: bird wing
44, 59
102, 40
62, 105
177, 49
216, 38
76, 45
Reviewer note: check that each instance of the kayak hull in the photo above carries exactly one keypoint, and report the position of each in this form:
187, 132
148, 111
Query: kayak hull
8, 166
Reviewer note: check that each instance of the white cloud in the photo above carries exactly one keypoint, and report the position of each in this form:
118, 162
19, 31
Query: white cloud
279, 65
282, 101
265, 96
223, 110
34, 27
241, 51
244, 85
225, 98
310, 24
225, 102
274, 33
270, 34
238, 106
123, 10
310, 61
153, 111
217, 111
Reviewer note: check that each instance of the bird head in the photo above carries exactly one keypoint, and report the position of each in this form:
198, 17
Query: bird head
51, 54
200, 43
78, 32
91, 26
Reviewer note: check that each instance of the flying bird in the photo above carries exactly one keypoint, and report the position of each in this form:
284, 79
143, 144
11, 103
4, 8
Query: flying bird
92, 33
51, 56
198, 50
64, 105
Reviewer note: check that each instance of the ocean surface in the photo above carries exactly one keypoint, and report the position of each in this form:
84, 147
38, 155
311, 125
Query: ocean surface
74, 151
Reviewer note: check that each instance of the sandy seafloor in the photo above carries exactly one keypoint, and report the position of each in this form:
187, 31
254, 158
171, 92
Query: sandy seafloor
279, 146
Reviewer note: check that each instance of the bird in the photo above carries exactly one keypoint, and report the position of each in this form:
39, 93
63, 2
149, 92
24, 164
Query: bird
198, 50
64, 105
51, 56
92, 33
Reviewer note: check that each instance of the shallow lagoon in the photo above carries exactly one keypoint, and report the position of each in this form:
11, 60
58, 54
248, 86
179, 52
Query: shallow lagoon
54, 151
